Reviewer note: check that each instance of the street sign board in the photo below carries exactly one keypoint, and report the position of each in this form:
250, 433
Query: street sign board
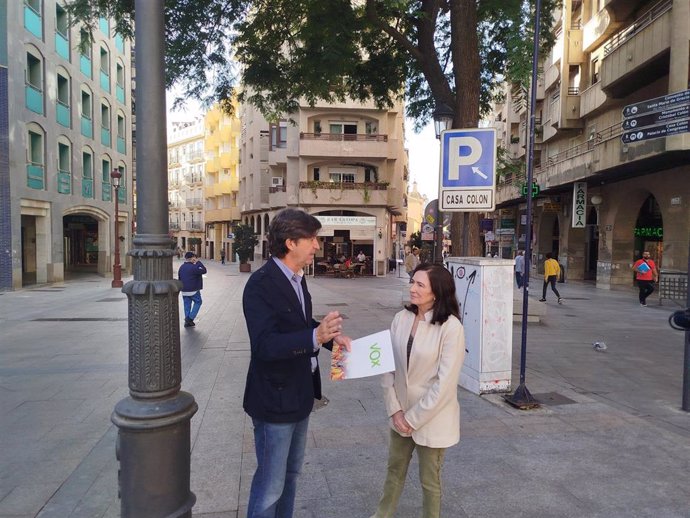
657, 104
677, 112
663, 130
468, 170
426, 228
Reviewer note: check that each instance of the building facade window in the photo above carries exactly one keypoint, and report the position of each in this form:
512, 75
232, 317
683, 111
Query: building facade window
86, 114
87, 174
122, 190
62, 45
105, 124
341, 177
64, 176
86, 52
120, 82
35, 167
278, 135
104, 26
105, 69
33, 17
121, 142
119, 43
339, 128
62, 111
596, 68
105, 180
34, 83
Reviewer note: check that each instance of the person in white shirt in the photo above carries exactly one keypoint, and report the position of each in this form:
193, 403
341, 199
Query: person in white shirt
519, 267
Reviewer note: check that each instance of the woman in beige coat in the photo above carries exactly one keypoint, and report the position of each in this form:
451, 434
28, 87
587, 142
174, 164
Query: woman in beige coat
421, 395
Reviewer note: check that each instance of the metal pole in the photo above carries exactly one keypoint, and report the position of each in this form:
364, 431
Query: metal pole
117, 269
522, 398
686, 360
438, 259
153, 444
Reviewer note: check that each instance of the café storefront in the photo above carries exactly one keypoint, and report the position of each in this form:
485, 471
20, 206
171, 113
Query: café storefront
346, 236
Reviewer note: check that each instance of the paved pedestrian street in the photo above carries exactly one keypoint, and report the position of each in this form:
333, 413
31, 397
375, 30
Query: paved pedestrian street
611, 440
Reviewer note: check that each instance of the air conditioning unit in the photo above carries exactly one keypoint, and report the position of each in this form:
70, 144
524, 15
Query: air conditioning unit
277, 181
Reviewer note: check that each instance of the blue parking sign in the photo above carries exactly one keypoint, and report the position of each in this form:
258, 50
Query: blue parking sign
468, 167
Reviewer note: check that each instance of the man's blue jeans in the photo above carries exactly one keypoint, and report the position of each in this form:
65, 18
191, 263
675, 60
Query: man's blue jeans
279, 455
191, 305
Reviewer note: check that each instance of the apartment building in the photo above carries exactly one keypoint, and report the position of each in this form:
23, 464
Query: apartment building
416, 202
65, 125
222, 181
345, 163
186, 170
606, 192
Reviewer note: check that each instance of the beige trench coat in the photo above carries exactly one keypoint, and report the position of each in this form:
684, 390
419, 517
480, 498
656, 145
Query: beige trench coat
427, 391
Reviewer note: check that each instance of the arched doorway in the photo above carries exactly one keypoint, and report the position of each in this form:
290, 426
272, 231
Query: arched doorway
649, 231
86, 238
591, 245
80, 234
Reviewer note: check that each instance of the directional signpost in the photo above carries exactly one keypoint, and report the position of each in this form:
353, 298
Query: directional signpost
468, 165
656, 118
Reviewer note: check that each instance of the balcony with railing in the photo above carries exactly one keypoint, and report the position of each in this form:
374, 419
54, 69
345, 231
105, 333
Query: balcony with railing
194, 202
195, 226
173, 225
34, 99
87, 187
86, 127
32, 21
35, 178
62, 114
345, 193
62, 45
224, 214
638, 54
592, 99
64, 182
343, 144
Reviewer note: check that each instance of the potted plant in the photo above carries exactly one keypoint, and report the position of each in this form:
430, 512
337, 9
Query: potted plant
243, 245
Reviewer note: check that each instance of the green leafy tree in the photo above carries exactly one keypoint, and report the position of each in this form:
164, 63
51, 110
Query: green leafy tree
454, 52
244, 242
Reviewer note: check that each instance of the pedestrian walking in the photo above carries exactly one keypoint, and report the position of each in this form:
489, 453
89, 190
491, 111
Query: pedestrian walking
191, 274
551, 272
421, 395
646, 275
519, 267
412, 261
283, 377
222, 256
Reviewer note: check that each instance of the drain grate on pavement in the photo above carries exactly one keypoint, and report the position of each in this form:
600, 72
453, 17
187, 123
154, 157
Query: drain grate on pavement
553, 399
113, 299
50, 290
337, 304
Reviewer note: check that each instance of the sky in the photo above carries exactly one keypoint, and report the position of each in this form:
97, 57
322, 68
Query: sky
423, 148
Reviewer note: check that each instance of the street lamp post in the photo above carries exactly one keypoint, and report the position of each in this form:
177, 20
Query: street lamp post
154, 436
443, 120
115, 176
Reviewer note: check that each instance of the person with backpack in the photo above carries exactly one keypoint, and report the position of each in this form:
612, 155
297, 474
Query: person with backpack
191, 275
646, 275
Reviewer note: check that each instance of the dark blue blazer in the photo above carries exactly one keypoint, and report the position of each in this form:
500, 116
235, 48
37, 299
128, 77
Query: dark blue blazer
280, 385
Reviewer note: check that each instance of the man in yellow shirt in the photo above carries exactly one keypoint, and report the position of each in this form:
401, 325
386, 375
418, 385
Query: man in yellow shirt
551, 272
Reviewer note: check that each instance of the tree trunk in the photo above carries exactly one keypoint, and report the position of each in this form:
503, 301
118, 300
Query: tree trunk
465, 51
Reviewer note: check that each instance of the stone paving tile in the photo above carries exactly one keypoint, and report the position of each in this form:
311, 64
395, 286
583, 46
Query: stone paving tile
565, 461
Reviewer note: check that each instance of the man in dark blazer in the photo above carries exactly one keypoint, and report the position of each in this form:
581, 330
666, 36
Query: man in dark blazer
283, 377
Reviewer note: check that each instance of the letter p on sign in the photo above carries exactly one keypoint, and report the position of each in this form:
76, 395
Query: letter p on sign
469, 153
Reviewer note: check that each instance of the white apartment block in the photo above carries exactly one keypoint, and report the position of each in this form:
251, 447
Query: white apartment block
345, 163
